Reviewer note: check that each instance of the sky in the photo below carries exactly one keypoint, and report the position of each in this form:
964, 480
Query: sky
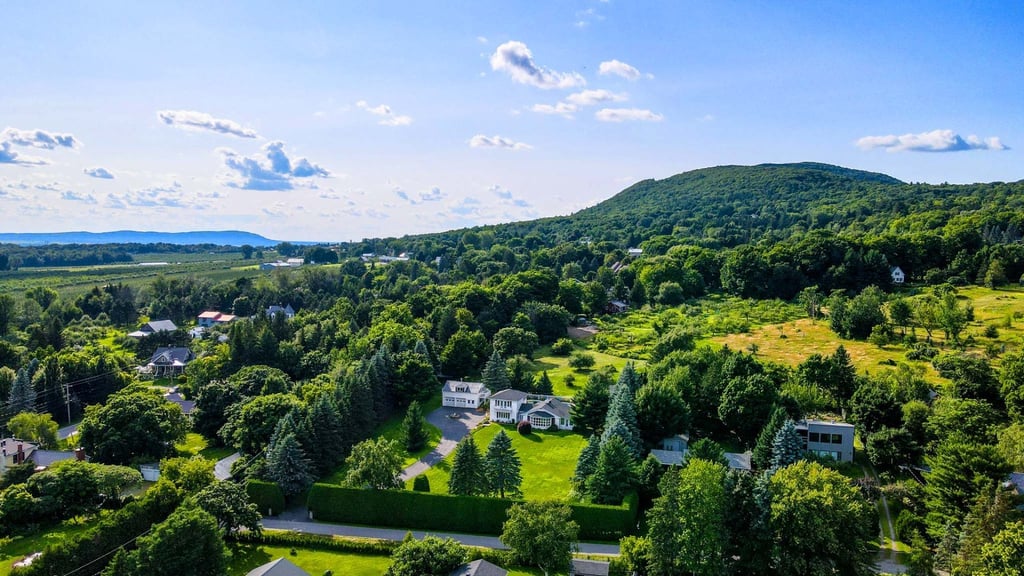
339, 121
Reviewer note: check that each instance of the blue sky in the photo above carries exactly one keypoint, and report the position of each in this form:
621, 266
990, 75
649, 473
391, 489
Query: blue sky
343, 120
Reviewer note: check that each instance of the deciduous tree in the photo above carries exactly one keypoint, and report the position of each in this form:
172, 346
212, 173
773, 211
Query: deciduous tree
541, 534
375, 464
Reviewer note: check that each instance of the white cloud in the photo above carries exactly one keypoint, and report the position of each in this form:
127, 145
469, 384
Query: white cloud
593, 97
77, 197
934, 141
481, 39
99, 173
40, 139
627, 114
388, 117
507, 198
199, 121
274, 172
516, 60
560, 109
433, 195
482, 141
618, 68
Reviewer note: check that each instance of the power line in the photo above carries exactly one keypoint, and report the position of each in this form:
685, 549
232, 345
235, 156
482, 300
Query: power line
98, 558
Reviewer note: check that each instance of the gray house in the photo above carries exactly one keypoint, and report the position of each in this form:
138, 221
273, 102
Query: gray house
479, 568
832, 439
588, 568
153, 327
169, 361
280, 567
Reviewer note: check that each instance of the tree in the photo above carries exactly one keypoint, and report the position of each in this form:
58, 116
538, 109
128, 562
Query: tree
821, 523
376, 464
463, 352
890, 447
1004, 556
621, 421
8, 306
38, 428
708, 450
661, 412
590, 405
900, 313
228, 503
468, 477
1011, 374
614, 474
951, 316
251, 423
502, 467
328, 444
761, 457
413, 428
134, 423
513, 341
23, 395
188, 474
687, 523
495, 375
543, 384
787, 447
431, 556
541, 534
630, 378
960, 470
247, 251
874, 406
581, 361
811, 298
288, 465
188, 543
586, 464
991, 511
746, 405
212, 403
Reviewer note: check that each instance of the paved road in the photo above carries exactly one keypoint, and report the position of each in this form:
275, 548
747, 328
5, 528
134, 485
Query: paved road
397, 535
455, 424
65, 432
222, 470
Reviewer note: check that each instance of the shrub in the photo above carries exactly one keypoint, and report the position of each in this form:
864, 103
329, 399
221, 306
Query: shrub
284, 538
991, 331
562, 347
581, 361
524, 428
421, 483
922, 351
908, 524
267, 496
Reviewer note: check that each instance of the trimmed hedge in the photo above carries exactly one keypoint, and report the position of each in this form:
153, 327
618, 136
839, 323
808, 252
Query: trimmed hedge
317, 542
267, 496
472, 514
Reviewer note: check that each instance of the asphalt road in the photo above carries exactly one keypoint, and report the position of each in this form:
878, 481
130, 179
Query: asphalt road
455, 424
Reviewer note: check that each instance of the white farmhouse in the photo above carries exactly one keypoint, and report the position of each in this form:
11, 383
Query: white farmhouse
542, 412
464, 394
898, 277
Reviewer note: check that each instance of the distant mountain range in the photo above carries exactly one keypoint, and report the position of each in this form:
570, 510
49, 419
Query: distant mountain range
217, 237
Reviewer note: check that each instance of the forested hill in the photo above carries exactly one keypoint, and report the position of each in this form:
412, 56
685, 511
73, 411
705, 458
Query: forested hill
727, 206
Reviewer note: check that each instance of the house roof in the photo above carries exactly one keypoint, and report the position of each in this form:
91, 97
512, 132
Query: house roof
509, 394
804, 424
288, 311
738, 461
552, 406
279, 567
9, 446
1017, 480
160, 326
171, 356
186, 405
479, 568
589, 567
211, 314
49, 457
669, 457
474, 387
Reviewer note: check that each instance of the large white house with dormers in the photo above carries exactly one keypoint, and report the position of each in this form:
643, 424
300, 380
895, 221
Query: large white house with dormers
456, 394
542, 412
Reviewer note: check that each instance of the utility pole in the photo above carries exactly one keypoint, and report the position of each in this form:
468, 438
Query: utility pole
67, 399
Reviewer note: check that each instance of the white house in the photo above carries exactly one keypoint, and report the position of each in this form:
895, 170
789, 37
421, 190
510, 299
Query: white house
513, 406
898, 277
464, 394
833, 439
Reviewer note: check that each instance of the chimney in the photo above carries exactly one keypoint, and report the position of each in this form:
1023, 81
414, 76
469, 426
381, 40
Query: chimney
19, 458
80, 454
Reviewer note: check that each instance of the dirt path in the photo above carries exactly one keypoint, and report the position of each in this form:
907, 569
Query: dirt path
887, 561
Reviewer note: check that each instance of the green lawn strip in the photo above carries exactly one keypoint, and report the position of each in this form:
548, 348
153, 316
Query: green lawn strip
17, 547
245, 557
548, 461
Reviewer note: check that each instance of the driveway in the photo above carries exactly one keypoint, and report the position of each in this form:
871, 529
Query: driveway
67, 431
454, 424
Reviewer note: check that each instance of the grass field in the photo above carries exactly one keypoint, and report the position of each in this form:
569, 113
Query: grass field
14, 549
245, 557
557, 367
195, 444
548, 461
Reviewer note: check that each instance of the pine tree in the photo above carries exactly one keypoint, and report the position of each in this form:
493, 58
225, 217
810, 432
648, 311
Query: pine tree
543, 384
328, 428
468, 476
288, 466
630, 378
413, 431
762, 454
788, 447
502, 467
586, 463
354, 396
23, 395
614, 476
380, 375
495, 374
621, 421
590, 406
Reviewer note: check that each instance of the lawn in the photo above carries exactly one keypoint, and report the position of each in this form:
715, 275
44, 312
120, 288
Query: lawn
195, 444
558, 368
548, 461
245, 557
16, 548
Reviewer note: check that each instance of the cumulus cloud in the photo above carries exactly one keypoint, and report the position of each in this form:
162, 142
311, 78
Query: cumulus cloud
77, 197
387, 115
561, 109
507, 198
627, 114
199, 121
618, 68
516, 60
273, 171
40, 139
594, 97
934, 141
482, 141
99, 173
433, 195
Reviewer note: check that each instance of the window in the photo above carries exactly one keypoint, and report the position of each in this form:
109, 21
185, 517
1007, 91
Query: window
503, 415
837, 438
813, 437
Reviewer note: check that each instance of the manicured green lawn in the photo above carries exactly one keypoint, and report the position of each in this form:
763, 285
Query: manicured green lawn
548, 461
245, 557
195, 444
557, 367
20, 546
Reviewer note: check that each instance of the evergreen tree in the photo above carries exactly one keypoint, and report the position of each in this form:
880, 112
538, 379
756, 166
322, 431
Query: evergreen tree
329, 446
413, 430
648, 477
381, 375
543, 384
495, 374
621, 421
630, 378
787, 447
288, 466
354, 396
992, 510
708, 450
586, 464
614, 476
590, 406
23, 395
468, 477
762, 454
502, 467
842, 377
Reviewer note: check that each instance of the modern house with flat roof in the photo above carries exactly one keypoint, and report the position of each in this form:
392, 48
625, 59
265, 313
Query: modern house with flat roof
824, 438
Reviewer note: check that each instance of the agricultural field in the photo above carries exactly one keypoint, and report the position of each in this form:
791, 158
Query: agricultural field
548, 461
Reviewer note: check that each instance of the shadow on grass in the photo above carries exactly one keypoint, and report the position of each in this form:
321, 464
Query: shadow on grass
246, 557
